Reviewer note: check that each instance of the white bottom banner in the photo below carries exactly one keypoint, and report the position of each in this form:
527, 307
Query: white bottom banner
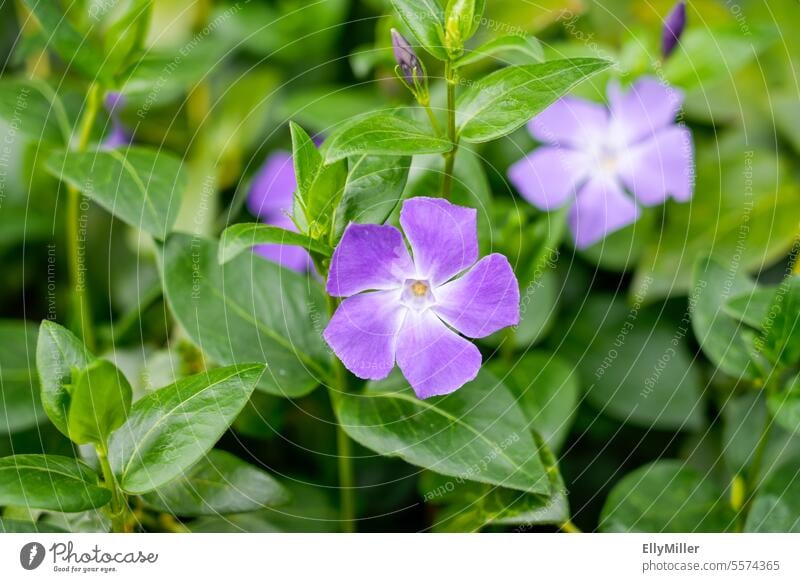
401, 557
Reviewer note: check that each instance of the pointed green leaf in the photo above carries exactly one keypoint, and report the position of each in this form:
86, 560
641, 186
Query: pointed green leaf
240, 237
100, 398
34, 109
170, 429
528, 46
20, 404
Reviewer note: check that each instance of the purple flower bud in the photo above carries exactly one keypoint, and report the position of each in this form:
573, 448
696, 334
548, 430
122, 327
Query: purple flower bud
673, 28
119, 135
410, 66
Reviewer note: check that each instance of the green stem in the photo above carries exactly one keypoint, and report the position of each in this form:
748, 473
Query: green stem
569, 527
434, 122
450, 157
80, 291
119, 505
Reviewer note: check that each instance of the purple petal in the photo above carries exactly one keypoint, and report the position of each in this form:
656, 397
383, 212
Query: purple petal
273, 187
118, 138
363, 333
369, 256
660, 167
443, 237
674, 25
648, 106
434, 359
483, 301
570, 121
548, 177
600, 208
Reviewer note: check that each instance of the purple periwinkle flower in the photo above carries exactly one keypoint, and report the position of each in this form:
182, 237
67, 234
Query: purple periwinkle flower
411, 310
119, 135
270, 199
407, 60
673, 28
608, 162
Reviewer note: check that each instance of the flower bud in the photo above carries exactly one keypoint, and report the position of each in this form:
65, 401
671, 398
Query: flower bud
461, 18
409, 68
673, 28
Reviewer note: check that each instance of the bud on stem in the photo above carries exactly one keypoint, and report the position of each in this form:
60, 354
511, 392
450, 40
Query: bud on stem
409, 68
674, 25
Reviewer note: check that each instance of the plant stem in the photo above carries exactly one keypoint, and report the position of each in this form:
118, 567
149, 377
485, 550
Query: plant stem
80, 292
119, 505
434, 122
569, 527
450, 157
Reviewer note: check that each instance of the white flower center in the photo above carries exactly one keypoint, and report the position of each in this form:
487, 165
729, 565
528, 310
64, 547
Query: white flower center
417, 294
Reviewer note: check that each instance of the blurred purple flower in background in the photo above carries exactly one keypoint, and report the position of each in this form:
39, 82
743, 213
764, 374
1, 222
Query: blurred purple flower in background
607, 162
673, 28
119, 136
270, 199
409, 310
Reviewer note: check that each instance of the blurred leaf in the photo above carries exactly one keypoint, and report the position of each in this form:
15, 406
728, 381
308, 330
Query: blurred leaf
249, 310
750, 307
425, 18
785, 406
777, 504
219, 483
35, 110
634, 364
18, 526
780, 340
170, 429
384, 134
140, 186
238, 238
525, 45
58, 353
476, 433
666, 497
507, 99
20, 405
100, 398
323, 107
50, 482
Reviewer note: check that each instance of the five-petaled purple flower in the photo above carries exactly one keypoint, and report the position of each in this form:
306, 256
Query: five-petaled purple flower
608, 162
119, 135
270, 199
409, 310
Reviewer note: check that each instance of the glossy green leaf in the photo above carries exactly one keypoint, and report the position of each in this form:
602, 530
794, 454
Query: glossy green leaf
718, 332
19, 526
142, 187
170, 429
666, 497
750, 307
373, 190
546, 389
425, 18
785, 406
50, 482
75, 48
219, 483
780, 341
100, 398
777, 505
383, 134
58, 352
634, 364
20, 404
476, 433
34, 109
512, 43
507, 99
249, 310
240, 237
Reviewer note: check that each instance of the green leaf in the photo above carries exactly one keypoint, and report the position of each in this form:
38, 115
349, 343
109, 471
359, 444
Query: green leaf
142, 187
718, 332
238, 238
476, 433
780, 341
34, 109
125, 37
99, 404
75, 48
249, 310
383, 134
546, 389
19, 526
634, 364
50, 482
777, 504
373, 190
219, 483
20, 405
750, 307
319, 186
666, 497
528, 46
785, 406
58, 352
507, 99
170, 429
425, 18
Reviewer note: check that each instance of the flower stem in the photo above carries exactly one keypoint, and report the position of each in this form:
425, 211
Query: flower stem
450, 157
569, 527
80, 292
119, 505
434, 122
